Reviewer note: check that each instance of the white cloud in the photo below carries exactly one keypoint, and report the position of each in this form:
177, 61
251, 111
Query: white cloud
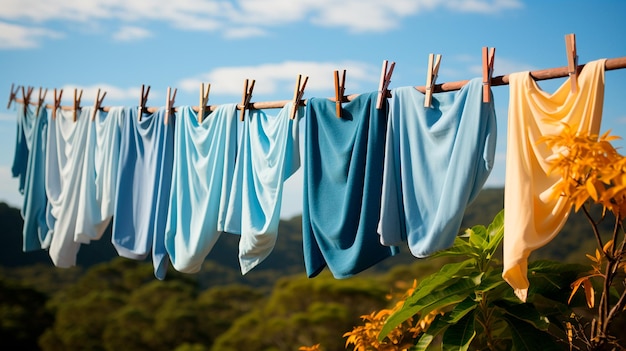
274, 78
243, 18
131, 33
14, 36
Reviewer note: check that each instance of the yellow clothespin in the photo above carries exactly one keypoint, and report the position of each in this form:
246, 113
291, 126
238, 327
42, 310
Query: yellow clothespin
26, 93
77, 98
297, 95
40, 100
57, 102
13, 95
340, 89
488, 57
97, 104
572, 60
245, 99
143, 99
431, 77
169, 103
204, 100
383, 86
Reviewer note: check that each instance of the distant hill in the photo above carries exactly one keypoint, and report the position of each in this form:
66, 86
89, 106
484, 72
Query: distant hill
222, 266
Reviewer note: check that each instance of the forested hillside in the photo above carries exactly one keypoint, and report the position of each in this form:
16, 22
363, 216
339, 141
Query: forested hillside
111, 303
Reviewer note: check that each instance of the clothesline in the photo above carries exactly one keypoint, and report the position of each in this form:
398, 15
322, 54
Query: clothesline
544, 74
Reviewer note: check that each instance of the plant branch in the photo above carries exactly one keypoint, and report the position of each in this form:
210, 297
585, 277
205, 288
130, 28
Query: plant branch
596, 233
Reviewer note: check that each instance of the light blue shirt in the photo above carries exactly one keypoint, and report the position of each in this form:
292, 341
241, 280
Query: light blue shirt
143, 187
269, 153
203, 173
437, 160
29, 166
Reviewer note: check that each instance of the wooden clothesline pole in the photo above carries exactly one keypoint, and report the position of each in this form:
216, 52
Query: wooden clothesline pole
544, 74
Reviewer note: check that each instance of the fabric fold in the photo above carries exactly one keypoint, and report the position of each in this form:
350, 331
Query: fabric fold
269, 154
342, 186
143, 187
532, 217
437, 160
203, 173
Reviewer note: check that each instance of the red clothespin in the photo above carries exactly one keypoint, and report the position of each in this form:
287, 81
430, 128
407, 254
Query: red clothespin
340, 89
169, 103
40, 100
204, 100
297, 95
26, 93
383, 86
488, 57
143, 99
97, 104
77, 98
245, 99
57, 102
431, 77
13, 95
572, 60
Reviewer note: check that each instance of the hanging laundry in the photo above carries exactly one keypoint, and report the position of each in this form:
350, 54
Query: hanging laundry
436, 162
342, 186
532, 217
203, 173
143, 187
269, 154
29, 166
65, 159
99, 175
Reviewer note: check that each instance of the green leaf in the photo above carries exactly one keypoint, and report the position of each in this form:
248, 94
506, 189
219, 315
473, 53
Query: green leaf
435, 328
441, 278
527, 313
492, 280
460, 248
495, 233
462, 309
478, 237
526, 337
459, 336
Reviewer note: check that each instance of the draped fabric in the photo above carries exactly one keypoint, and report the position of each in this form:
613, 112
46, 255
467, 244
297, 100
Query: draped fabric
65, 162
143, 187
204, 166
342, 186
532, 217
437, 160
29, 167
269, 154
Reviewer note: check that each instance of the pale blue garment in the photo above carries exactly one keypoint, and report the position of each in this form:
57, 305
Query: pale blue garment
343, 175
203, 172
29, 165
437, 160
143, 187
99, 175
269, 153
67, 145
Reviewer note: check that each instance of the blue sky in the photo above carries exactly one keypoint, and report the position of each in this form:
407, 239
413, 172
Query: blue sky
118, 45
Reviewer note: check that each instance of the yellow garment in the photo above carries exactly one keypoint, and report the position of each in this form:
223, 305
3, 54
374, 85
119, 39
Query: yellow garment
531, 217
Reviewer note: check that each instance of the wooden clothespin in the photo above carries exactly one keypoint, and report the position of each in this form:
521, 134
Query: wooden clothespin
26, 93
57, 102
40, 100
297, 95
383, 86
97, 104
340, 89
204, 100
77, 98
143, 99
169, 103
245, 99
488, 57
572, 60
431, 77
13, 95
